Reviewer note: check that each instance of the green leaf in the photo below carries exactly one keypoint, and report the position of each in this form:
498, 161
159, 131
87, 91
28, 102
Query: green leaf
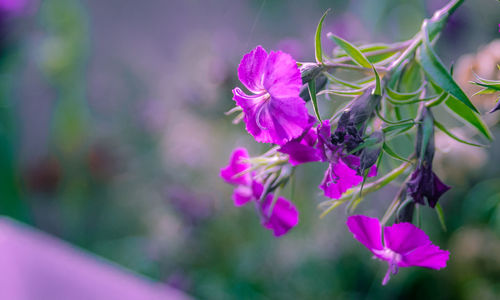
314, 100
435, 69
378, 88
385, 120
341, 82
411, 78
339, 52
394, 76
395, 130
403, 96
486, 91
437, 100
392, 154
368, 142
487, 82
456, 138
440, 215
468, 116
357, 56
342, 92
375, 53
317, 39
396, 102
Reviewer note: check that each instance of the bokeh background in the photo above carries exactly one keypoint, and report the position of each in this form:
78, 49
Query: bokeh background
112, 134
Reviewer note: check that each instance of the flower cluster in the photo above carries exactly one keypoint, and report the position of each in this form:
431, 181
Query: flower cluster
277, 214
390, 103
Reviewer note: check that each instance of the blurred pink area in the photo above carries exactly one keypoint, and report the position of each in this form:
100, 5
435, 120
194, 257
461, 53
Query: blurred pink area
12, 5
36, 266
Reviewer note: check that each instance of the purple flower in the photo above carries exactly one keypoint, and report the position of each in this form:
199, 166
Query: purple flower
425, 183
246, 189
339, 177
237, 164
301, 150
275, 113
280, 217
283, 216
342, 172
405, 245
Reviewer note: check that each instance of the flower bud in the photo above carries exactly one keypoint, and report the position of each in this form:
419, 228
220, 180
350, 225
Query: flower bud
310, 71
320, 84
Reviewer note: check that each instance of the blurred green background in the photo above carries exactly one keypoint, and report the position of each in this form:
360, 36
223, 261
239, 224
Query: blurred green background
112, 134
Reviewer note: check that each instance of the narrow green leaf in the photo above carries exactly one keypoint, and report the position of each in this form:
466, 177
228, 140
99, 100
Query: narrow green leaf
486, 91
375, 53
357, 56
435, 69
342, 82
392, 154
385, 120
342, 92
495, 86
395, 130
487, 82
403, 96
317, 39
365, 80
468, 116
396, 102
437, 100
440, 215
314, 100
456, 138
403, 125
339, 52
368, 142
411, 78
378, 88
394, 76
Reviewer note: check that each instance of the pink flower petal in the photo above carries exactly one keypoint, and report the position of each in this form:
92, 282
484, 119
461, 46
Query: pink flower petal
428, 256
242, 194
251, 69
271, 120
299, 153
404, 237
236, 166
284, 215
366, 230
338, 179
282, 76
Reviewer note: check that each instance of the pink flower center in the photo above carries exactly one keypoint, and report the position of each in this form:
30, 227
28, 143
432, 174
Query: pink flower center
393, 258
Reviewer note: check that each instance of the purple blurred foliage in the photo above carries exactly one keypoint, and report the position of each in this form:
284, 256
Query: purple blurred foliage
292, 46
152, 114
194, 207
348, 26
13, 6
